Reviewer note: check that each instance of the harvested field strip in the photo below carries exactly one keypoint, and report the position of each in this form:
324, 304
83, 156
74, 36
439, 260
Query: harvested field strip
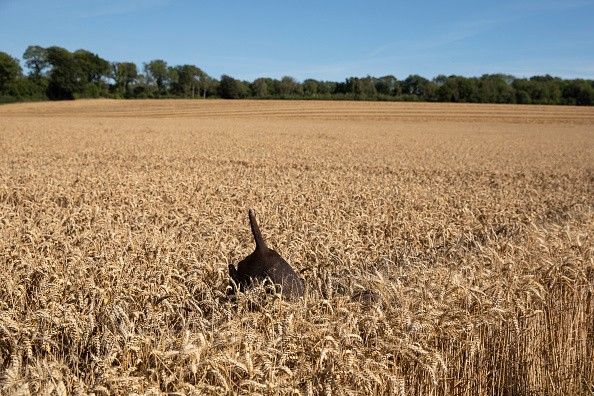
310, 110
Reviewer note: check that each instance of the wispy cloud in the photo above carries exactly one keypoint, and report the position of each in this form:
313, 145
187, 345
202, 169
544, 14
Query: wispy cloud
109, 8
448, 35
390, 56
550, 5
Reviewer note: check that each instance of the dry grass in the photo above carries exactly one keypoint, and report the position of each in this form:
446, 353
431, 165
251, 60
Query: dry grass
475, 225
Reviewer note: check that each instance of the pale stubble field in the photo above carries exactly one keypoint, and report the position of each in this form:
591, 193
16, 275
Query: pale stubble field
473, 223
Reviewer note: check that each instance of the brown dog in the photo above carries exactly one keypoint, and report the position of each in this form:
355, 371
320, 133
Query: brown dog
265, 264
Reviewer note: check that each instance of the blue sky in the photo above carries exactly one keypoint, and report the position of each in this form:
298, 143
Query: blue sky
324, 39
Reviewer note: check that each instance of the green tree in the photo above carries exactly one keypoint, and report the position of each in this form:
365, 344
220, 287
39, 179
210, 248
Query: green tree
310, 87
36, 60
274, 87
327, 88
207, 85
414, 85
92, 66
28, 89
523, 89
539, 90
458, 89
260, 88
10, 70
387, 85
94, 71
358, 88
351, 86
578, 92
186, 80
289, 87
65, 79
124, 74
547, 89
365, 88
157, 71
430, 91
230, 88
522, 97
494, 88
440, 79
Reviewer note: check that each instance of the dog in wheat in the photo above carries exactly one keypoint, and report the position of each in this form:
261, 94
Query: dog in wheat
265, 265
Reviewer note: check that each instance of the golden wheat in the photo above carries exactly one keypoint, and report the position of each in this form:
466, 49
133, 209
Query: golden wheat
473, 225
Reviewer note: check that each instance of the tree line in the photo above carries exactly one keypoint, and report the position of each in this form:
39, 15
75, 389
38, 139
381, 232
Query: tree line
57, 74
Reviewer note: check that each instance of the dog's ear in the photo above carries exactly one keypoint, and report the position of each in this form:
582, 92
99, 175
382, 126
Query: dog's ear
233, 286
233, 281
233, 273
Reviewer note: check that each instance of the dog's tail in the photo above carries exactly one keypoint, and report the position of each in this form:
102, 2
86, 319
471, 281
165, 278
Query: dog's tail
260, 244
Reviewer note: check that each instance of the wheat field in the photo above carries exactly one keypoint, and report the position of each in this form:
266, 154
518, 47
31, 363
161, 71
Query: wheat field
473, 223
